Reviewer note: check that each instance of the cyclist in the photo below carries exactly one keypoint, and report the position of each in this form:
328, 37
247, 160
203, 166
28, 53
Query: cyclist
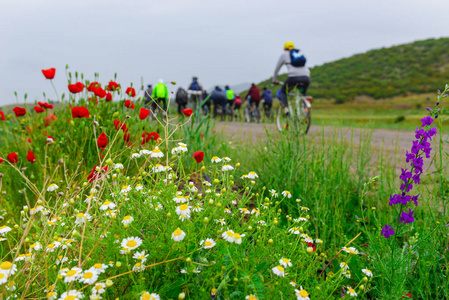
297, 76
219, 98
231, 97
253, 97
160, 96
148, 93
181, 99
267, 101
195, 91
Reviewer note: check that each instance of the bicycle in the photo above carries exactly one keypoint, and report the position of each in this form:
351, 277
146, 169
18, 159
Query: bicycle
298, 116
252, 113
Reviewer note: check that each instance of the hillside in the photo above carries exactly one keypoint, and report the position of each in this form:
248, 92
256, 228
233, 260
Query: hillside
415, 68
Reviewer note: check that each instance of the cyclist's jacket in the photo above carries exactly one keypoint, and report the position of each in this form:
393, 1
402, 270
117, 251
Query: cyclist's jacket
291, 70
195, 88
254, 93
267, 96
219, 96
230, 94
160, 91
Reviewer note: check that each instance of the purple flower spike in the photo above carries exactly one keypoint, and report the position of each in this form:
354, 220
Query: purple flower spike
387, 231
426, 121
407, 217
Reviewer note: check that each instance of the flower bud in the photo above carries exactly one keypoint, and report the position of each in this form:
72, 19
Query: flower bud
109, 283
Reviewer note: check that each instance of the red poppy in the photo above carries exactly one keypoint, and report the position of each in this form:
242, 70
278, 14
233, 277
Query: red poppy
1, 160
45, 105
75, 89
2, 116
188, 112
93, 100
80, 85
29, 140
80, 112
92, 85
131, 91
12, 157
102, 141
30, 157
19, 111
113, 86
96, 176
49, 140
126, 137
49, 73
198, 156
49, 119
408, 295
38, 109
129, 104
149, 136
312, 245
120, 125
144, 113
99, 92
108, 97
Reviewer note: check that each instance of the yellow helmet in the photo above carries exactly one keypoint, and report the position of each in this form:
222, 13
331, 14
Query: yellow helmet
289, 46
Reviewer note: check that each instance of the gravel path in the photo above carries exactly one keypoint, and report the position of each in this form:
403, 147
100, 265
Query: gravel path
388, 138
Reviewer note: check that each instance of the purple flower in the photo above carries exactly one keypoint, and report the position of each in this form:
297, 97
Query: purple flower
405, 176
426, 121
387, 231
409, 156
407, 217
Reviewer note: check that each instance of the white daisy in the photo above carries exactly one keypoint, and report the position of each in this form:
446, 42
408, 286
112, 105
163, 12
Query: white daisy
142, 256
216, 159
148, 296
36, 246
157, 153
139, 187
285, 262
117, 166
131, 243
89, 277
178, 235
72, 274
252, 175
99, 268
238, 238
294, 230
135, 155
279, 271
139, 267
226, 159
74, 293
107, 205
228, 236
4, 230
344, 266
99, 288
145, 152
367, 272
127, 220
207, 243
227, 168
158, 168
286, 194
351, 292
8, 268
52, 246
302, 294
183, 209
52, 187
181, 199
125, 189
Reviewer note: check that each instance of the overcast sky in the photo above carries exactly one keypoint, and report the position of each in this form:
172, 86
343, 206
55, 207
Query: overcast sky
222, 42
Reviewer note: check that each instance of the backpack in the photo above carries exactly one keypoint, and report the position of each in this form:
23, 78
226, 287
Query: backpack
195, 86
181, 96
230, 94
238, 100
297, 59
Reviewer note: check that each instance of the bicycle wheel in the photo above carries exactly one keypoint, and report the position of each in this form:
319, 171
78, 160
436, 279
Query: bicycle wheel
247, 115
282, 119
304, 118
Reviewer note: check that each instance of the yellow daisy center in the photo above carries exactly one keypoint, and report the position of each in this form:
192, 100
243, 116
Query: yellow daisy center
70, 297
2, 275
184, 207
71, 273
98, 287
127, 218
107, 202
207, 243
2, 227
351, 291
51, 245
138, 265
124, 187
28, 254
303, 293
80, 215
51, 294
251, 297
6, 265
147, 297
230, 233
237, 236
98, 266
280, 268
158, 165
51, 288
131, 244
177, 232
88, 275
286, 260
156, 150
34, 245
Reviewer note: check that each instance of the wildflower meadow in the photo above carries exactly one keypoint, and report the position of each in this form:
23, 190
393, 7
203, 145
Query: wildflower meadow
101, 201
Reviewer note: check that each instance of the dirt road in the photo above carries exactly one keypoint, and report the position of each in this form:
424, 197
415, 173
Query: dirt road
380, 137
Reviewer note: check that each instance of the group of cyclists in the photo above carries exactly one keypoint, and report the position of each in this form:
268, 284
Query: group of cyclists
225, 101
